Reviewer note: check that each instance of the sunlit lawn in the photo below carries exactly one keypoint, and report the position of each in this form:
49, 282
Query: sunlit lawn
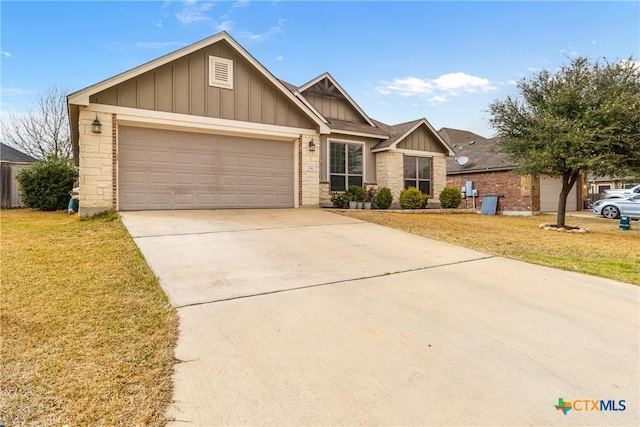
88, 336
604, 251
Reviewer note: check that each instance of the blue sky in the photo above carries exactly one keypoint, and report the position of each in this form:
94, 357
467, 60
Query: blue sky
446, 61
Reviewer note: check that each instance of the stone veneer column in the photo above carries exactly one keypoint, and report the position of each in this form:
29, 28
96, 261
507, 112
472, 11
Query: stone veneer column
96, 164
439, 165
309, 172
390, 172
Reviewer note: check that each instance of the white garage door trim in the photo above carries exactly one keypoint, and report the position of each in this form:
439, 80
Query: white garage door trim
168, 169
550, 188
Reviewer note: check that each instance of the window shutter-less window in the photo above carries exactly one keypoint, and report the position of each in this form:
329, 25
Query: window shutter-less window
220, 72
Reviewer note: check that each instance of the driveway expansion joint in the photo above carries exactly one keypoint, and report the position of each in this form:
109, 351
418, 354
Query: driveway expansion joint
335, 282
246, 230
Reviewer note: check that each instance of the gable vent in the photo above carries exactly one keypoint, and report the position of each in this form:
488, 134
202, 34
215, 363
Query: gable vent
220, 72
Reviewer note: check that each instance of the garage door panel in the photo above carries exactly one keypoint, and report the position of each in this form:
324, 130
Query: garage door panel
550, 188
161, 169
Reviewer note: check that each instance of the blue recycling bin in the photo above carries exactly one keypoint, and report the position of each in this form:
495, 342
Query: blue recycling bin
625, 223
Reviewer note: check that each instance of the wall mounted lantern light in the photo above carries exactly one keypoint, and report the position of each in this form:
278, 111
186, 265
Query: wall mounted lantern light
96, 126
312, 145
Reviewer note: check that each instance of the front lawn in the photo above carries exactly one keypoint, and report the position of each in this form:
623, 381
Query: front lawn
88, 336
605, 251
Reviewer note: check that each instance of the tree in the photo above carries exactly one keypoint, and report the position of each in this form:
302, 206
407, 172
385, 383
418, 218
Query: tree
42, 132
585, 117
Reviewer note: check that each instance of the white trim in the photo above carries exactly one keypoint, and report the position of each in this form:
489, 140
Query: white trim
344, 93
418, 153
81, 97
346, 141
160, 119
362, 134
421, 122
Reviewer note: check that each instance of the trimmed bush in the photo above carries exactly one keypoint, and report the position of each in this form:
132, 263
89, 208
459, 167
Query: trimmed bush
410, 198
46, 184
425, 200
450, 198
384, 198
340, 200
356, 193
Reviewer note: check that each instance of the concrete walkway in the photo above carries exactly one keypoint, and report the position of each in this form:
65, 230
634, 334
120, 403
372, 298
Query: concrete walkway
303, 317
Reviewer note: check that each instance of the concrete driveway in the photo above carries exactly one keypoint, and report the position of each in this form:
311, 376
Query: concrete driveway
304, 317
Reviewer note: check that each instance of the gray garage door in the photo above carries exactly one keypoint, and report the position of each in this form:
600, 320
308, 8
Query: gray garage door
550, 191
161, 169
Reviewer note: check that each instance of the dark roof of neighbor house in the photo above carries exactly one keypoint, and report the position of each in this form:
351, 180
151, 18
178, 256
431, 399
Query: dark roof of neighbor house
481, 152
10, 154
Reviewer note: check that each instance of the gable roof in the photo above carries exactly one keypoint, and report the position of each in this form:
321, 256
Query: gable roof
343, 92
398, 132
482, 152
10, 154
81, 97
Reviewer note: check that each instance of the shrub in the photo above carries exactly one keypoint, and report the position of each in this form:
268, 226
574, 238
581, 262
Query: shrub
46, 184
356, 193
371, 194
450, 198
410, 198
425, 200
384, 198
339, 200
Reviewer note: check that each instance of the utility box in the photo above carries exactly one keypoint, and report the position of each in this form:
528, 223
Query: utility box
625, 223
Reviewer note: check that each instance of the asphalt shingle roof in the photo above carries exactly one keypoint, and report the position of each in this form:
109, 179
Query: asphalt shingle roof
481, 152
10, 154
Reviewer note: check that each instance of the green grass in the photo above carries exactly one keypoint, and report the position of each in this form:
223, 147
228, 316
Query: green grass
88, 336
604, 251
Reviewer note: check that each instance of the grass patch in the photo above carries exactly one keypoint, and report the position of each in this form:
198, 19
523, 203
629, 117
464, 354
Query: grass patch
88, 336
605, 251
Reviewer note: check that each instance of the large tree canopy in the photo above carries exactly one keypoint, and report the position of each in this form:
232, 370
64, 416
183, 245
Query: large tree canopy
583, 118
42, 132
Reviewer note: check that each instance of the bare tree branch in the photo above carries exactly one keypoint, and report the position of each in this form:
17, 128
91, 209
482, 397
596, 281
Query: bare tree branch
42, 132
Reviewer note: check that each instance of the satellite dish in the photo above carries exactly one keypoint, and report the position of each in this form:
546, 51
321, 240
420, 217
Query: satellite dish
462, 160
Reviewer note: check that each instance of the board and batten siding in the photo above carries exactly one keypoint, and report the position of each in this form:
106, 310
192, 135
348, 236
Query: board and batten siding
421, 140
182, 86
334, 108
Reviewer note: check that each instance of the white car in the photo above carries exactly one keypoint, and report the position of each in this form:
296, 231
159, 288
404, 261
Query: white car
614, 208
621, 192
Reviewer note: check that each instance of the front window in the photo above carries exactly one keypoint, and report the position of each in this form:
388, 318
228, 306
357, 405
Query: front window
345, 165
417, 173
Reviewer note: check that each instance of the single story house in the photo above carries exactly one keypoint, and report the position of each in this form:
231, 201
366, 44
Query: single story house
598, 184
209, 127
11, 162
477, 160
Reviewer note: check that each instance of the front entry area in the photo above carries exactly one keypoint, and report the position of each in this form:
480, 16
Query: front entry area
166, 169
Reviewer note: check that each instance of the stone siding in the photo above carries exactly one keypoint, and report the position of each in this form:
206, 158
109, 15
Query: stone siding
309, 174
97, 178
390, 171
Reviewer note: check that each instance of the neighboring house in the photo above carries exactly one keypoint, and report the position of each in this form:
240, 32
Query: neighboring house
209, 127
11, 161
598, 184
492, 174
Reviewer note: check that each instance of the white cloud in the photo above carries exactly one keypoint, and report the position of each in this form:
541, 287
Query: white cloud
194, 11
279, 58
158, 23
224, 26
437, 90
8, 91
6, 54
262, 36
634, 64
